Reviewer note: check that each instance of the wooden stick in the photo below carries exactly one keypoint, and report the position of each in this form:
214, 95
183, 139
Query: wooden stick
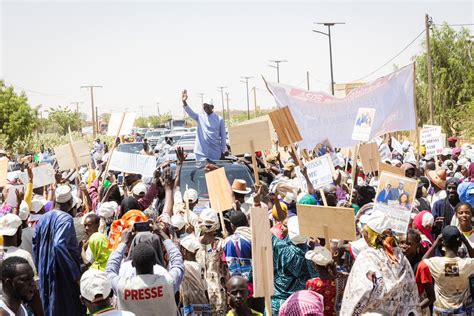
326, 237
74, 157
323, 197
114, 145
221, 216
268, 301
416, 118
354, 173
254, 164
294, 149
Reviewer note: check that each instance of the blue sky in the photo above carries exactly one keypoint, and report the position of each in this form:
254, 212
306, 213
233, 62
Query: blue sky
147, 52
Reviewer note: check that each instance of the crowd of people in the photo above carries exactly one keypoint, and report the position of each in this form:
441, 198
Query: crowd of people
90, 245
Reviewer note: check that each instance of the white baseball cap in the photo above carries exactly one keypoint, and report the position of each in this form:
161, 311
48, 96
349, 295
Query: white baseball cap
37, 205
139, 188
190, 243
9, 224
24, 211
107, 209
95, 286
190, 195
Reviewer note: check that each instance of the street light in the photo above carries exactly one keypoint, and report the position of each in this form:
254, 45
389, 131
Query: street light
246, 81
277, 63
328, 34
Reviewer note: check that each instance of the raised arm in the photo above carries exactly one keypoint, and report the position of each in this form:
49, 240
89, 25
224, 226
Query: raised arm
113, 264
191, 113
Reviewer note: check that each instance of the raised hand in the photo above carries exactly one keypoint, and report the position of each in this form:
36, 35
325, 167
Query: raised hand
180, 155
184, 96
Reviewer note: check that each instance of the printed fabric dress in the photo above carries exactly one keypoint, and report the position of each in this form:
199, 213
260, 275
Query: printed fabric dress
327, 288
393, 289
211, 258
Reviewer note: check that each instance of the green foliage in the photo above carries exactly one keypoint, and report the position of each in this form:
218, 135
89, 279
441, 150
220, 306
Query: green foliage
453, 81
152, 121
60, 119
17, 118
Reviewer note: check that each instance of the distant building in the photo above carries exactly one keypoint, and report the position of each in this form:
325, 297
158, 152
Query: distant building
343, 89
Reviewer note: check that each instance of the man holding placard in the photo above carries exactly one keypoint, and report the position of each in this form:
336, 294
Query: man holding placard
211, 135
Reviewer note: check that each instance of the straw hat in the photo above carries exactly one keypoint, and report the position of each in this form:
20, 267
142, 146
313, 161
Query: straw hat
240, 186
438, 178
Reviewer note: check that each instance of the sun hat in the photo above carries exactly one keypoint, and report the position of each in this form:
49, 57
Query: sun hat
240, 186
438, 178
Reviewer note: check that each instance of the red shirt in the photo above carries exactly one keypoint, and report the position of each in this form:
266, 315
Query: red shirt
327, 288
422, 276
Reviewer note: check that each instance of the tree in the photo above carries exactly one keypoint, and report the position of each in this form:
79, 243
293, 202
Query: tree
60, 119
453, 81
17, 118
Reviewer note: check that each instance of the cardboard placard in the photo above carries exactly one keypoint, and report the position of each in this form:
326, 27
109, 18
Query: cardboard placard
370, 157
132, 163
240, 137
429, 132
320, 172
339, 222
3, 171
262, 254
219, 189
65, 157
127, 125
42, 175
285, 126
390, 169
363, 124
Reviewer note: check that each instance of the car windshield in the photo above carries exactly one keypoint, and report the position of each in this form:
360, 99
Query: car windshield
132, 148
192, 175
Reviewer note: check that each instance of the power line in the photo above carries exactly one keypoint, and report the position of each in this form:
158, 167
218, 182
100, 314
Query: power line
391, 59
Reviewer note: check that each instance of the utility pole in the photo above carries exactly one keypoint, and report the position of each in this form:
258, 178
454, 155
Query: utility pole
202, 97
328, 34
97, 119
307, 79
428, 22
228, 109
77, 105
277, 66
94, 124
158, 108
246, 81
255, 99
221, 89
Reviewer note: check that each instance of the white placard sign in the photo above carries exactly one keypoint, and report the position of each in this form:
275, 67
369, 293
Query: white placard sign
363, 124
127, 125
385, 153
399, 216
320, 172
434, 146
429, 132
397, 146
42, 175
133, 163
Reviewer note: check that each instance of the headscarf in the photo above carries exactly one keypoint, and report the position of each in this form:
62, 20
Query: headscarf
308, 199
208, 220
152, 240
471, 172
421, 221
129, 203
98, 244
275, 213
117, 227
303, 303
379, 236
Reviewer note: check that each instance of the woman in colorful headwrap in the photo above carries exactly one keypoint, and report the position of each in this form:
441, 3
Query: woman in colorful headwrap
97, 252
303, 303
211, 259
280, 215
466, 188
423, 222
381, 277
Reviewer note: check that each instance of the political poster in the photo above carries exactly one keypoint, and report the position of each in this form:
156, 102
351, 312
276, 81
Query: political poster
319, 115
398, 216
363, 124
320, 172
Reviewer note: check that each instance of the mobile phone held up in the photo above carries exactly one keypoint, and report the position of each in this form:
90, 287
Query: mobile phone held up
120, 179
142, 226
